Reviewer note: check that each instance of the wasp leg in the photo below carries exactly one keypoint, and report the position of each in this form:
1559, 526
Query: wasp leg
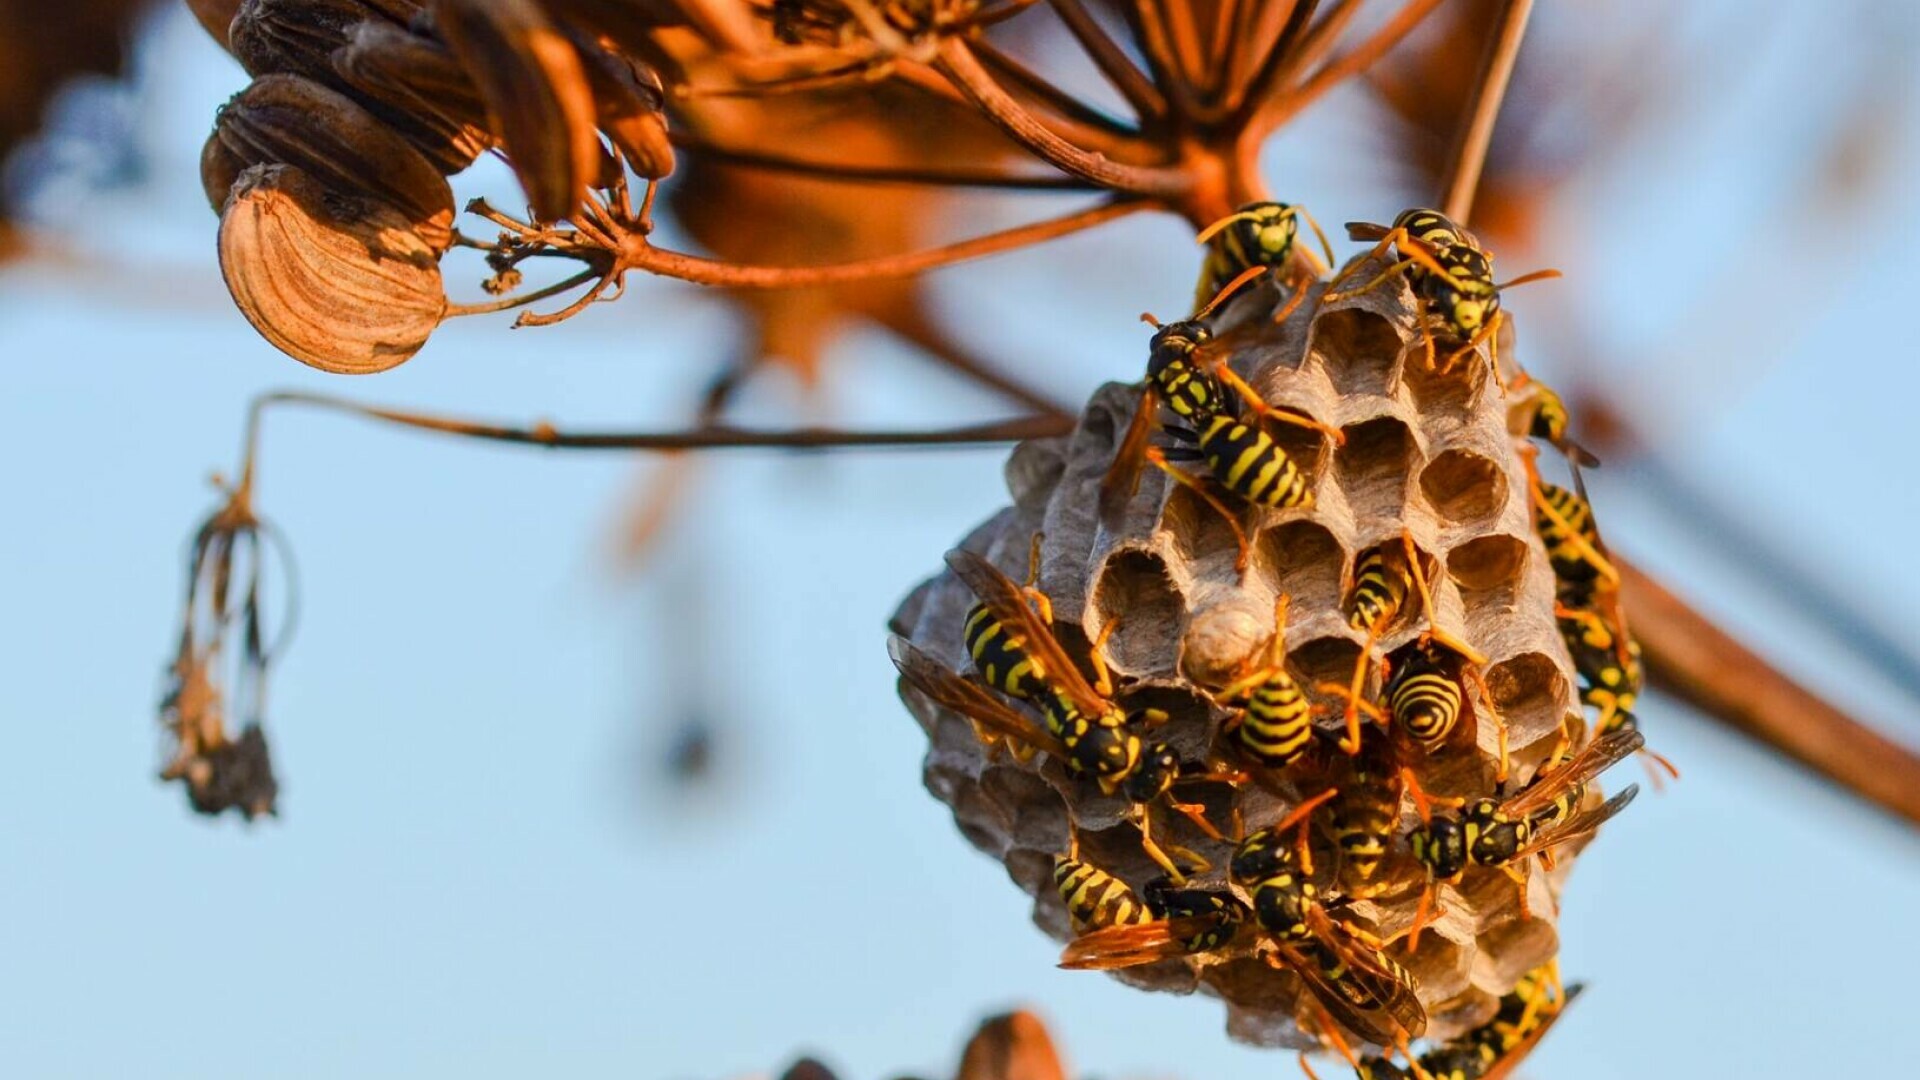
1197, 813
1393, 236
1500, 722
1423, 802
1259, 405
1351, 741
1159, 460
1587, 551
1306, 1068
1042, 603
1102, 675
1418, 571
1424, 915
1154, 851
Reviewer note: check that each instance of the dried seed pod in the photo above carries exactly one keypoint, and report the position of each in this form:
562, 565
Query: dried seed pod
339, 282
419, 88
1425, 455
290, 120
299, 36
538, 100
631, 106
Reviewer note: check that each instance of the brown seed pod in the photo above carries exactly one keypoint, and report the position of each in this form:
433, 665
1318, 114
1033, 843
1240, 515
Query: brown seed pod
538, 100
299, 36
338, 282
727, 25
1424, 454
290, 120
419, 88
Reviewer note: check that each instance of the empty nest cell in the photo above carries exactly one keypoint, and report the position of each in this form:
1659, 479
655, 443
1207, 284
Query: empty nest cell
1373, 467
1463, 486
1137, 598
1358, 349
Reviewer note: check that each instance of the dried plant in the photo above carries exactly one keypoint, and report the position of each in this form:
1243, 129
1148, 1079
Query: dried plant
814, 148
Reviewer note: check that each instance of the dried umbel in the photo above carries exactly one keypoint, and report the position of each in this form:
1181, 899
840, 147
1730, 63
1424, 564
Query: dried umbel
1424, 456
225, 595
290, 120
340, 282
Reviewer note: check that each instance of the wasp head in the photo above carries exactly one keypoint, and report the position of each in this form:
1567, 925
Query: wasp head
1159, 767
1268, 229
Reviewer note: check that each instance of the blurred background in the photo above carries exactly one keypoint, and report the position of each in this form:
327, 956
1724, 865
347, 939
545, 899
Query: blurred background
552, 808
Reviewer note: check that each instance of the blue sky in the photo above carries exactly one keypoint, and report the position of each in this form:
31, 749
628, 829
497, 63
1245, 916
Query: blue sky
478, 871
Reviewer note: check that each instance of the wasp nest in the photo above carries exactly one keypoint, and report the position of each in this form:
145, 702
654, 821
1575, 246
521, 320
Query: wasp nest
1427, 455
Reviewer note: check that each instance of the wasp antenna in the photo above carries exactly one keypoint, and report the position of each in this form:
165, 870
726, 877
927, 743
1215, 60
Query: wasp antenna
1147, 317
1212, 230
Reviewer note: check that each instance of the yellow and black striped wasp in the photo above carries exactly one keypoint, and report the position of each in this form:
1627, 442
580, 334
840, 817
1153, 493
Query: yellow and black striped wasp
1494, 1050
1208, 403
1502, 833
1095, 899
1083, 727
1273, 724
1351, 980
1451, 276
1383, 577
1261, 235
1538, 412
1606, 659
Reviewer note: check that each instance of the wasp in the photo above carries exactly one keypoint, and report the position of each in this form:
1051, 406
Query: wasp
1607, 660
1383, 578
1538, 412
1273, 727
1500, 833
1564, 520
1363, 817
1083, 726
1209, 404
1495, 1049
1451, 276
1259, 235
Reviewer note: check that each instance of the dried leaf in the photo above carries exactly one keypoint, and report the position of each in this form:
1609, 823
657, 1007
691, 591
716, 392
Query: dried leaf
630, 104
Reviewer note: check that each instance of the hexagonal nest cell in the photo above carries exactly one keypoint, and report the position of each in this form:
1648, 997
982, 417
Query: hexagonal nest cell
1426, 456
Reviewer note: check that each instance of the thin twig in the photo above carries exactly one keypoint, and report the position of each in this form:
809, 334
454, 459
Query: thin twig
1361, 57
1244, 101
508, 303
641, 255
1147, 103
1023, 80
717, 437
853, 173
1476, 134
1701, 664
1151, 37
959, 64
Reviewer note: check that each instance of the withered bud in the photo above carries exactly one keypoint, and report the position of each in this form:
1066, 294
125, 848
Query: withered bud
299, 36
342, 283
631, 107
290, 120
421, 90
537, 97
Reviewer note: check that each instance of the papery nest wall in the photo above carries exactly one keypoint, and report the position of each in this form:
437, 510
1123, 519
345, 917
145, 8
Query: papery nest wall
1425, 452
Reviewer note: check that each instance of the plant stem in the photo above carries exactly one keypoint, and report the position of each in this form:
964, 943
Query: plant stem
1476, 133
1348, 64
852, 173
1147, 103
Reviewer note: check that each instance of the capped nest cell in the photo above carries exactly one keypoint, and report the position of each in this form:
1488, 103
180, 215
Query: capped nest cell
1427, 455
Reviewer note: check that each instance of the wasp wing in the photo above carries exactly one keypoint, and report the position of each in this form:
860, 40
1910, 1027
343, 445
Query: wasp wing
1577, 826
1008, 604
1593, 759
1369, 1023
1114, 947
945, 686
1386, 983
1129, 459
1366, 230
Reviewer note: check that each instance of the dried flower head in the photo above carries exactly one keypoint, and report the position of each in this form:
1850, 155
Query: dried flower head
226, 595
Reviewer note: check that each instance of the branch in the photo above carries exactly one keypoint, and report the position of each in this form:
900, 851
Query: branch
1245, 99
636, 253
716, 437
1148, 104
957, 62
1699, 663
1089, 126
848, 172
1496, 70
1344, 67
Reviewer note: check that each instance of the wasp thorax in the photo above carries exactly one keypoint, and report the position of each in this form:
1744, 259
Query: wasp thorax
1424, 474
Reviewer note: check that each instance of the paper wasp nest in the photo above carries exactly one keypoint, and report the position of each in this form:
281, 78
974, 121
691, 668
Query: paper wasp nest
1424, 452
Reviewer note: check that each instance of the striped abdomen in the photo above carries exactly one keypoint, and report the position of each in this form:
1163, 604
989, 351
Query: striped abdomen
1278, 724
1251, 465
1379, 589
1003, 664
1425, 702
1569, 562
1364, 817
1094, 898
